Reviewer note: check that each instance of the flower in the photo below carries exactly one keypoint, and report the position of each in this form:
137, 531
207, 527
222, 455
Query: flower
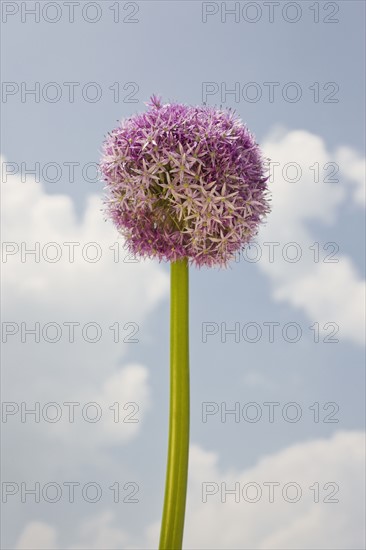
184, 182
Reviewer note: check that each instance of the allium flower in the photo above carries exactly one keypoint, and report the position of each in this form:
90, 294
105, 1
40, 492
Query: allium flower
187, 185
185, 182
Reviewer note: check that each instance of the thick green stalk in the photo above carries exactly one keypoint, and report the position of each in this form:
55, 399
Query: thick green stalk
171, 534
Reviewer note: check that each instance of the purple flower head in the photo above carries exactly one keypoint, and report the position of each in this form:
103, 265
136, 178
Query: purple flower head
184, 181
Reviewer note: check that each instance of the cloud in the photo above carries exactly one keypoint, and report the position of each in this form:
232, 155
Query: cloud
308, 189
99, 532
130, 388
328, 295
80, 286
38, 535
278, 525
352, 166
97, 312
109, 415
281, 525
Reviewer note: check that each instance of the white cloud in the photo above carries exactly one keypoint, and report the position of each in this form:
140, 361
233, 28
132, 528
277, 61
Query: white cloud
81, 287
328, 295
326, 291
282, 525
38, 534
94, 533
81, 292
109, 415
279, 525
99, 532
352, 166
130, 388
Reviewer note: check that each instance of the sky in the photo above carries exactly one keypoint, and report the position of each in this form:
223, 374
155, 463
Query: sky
276, 340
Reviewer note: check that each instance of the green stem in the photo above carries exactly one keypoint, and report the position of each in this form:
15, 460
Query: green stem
172, 525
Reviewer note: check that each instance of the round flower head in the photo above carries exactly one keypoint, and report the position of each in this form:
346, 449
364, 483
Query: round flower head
184, 181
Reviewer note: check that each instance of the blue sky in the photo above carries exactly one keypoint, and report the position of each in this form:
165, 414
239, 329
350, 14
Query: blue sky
170, 50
